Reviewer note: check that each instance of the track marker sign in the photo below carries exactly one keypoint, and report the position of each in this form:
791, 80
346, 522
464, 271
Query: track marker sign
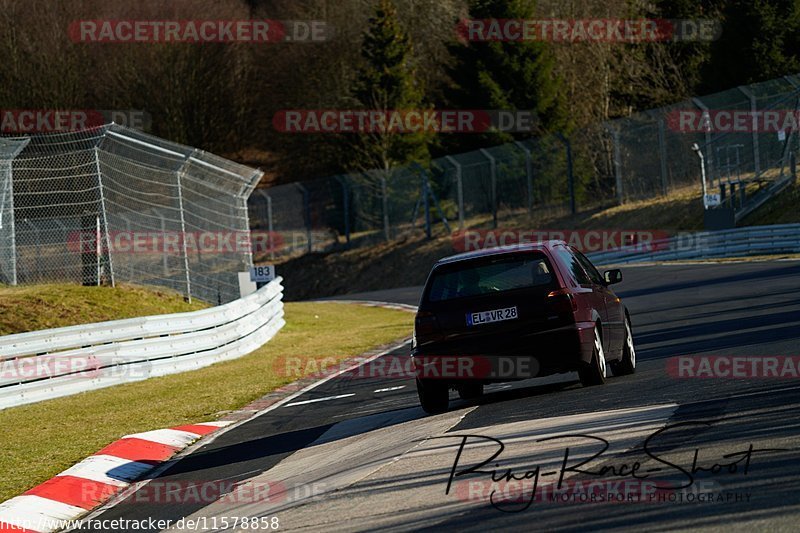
263, 273
713, 200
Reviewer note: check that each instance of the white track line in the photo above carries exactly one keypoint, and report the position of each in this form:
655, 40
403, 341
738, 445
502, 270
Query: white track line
113, 502
390, 389
320, 399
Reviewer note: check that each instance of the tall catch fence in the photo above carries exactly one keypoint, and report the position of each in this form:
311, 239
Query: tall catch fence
112, 204
643, 156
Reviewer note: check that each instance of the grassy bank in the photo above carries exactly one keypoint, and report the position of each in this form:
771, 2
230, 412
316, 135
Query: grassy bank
34, 307
42, 439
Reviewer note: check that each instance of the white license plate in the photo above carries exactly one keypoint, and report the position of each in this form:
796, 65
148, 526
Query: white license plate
487, 317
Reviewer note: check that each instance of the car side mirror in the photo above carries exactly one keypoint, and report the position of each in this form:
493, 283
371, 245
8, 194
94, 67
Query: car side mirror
612, 276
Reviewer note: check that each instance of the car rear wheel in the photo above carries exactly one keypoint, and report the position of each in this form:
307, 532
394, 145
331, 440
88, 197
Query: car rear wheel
626, 365
433, 395
595, 372
470, 391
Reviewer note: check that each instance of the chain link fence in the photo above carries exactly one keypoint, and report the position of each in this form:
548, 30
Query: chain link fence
112, 205
643, 156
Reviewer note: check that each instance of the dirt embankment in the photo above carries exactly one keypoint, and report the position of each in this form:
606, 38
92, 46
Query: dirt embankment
406, 262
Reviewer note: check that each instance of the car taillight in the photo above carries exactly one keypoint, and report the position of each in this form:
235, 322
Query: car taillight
426, 323
562, 301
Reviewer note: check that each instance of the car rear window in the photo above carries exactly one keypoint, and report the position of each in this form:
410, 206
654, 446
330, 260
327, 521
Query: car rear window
477, 277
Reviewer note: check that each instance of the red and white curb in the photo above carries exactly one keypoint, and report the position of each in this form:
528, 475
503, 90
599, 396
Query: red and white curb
95, 480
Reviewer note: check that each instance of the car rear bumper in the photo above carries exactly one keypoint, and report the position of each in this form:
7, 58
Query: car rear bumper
564, 349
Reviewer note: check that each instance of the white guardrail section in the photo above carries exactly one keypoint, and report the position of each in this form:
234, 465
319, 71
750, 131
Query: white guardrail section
46, 364
739, 242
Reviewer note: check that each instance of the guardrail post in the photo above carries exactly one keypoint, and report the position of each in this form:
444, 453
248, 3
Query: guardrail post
754, 112
493, 177
459, 190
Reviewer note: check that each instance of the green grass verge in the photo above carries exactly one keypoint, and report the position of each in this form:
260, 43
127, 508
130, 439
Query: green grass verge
35, 307
42, 439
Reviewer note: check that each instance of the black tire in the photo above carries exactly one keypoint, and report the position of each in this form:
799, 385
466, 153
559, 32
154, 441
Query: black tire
595, 372
626, 365
470, 391
434, 395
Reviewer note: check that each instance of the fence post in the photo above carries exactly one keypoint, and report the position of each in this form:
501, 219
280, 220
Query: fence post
11, 229
570, 176
306, 215
105, 217
426, 204
178, 176
270, 243
385, 205
163, 235
493, 175
459, 189
662, 150
754, 121
570, 172
346, 206
39, 249
794, 83
528, 174
617, 164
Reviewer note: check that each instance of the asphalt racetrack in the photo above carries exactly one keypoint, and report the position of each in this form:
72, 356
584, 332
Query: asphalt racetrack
358, 453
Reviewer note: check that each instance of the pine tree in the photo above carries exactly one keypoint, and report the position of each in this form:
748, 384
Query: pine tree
760, 40
386, 81
515, 75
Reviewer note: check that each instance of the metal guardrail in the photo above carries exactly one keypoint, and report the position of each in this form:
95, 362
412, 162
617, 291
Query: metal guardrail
739, 242
47, 364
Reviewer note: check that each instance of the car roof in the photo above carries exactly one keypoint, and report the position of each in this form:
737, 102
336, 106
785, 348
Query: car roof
500, 250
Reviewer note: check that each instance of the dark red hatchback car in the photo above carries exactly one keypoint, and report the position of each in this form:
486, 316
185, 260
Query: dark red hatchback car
513, 313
